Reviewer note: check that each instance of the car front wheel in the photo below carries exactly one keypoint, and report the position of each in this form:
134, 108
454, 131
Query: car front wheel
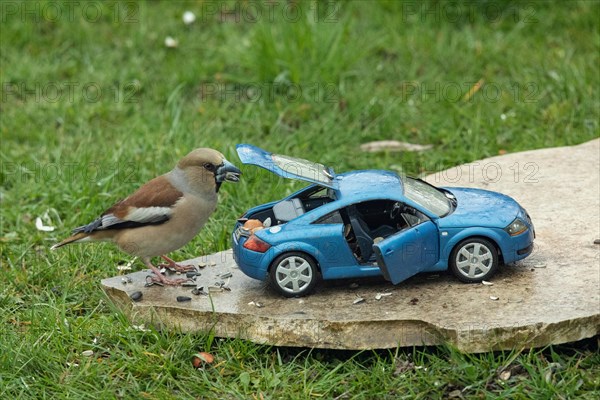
474, 260
293, 274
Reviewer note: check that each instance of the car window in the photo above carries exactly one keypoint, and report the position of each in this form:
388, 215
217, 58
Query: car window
303, 168
431, 198
414, 218
332, 218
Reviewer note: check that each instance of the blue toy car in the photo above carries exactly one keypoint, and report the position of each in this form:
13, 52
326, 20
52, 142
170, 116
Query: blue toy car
371, 223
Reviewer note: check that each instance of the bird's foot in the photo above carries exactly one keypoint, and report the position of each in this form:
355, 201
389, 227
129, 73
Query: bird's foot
162, 280
173, 266
159, 279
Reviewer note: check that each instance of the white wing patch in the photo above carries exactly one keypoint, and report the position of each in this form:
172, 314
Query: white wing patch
149, 214
143, 215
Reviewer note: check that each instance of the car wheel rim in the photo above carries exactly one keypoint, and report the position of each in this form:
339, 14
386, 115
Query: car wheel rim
293, 274
474, 260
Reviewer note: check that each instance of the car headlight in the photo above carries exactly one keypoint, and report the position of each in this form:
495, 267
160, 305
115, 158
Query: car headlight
516, 227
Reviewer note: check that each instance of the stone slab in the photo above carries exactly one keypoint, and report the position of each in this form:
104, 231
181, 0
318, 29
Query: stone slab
551, 297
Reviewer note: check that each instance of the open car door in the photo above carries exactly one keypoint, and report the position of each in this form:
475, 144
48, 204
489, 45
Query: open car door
408, 252
287, 167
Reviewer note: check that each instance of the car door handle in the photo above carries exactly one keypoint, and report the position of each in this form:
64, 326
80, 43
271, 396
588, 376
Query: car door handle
388, 252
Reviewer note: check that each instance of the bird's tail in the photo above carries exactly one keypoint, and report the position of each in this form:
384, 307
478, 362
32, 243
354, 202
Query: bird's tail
78, 237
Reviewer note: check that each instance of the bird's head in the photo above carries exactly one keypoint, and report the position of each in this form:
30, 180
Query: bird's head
206, 167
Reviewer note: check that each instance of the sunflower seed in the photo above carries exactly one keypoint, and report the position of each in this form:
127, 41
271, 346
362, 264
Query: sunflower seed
199, 291
358, 300
136, 296
486, 283
226, 275
182, 299
87, 353
494, 298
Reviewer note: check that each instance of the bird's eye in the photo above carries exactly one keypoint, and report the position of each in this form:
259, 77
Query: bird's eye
209, 167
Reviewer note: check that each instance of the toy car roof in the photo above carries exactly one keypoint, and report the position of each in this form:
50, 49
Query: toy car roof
366, 184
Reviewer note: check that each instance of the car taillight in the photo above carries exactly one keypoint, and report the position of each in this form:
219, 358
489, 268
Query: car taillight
255, 244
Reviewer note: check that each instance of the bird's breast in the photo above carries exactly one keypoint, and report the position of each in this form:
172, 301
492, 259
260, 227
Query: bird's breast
189, 216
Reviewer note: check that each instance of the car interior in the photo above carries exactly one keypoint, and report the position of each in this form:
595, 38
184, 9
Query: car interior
370, 222
286, 210
365, 223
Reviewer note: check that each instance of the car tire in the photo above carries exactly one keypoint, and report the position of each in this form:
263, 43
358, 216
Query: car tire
293, 274
474, 260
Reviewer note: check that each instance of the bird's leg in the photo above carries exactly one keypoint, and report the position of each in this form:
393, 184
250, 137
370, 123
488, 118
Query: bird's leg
160, 278
176, 267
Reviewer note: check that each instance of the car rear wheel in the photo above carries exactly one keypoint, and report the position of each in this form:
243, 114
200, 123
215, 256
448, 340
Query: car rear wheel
474, 260
293, 274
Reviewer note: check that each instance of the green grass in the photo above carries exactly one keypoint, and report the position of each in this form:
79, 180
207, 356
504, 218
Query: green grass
314, 85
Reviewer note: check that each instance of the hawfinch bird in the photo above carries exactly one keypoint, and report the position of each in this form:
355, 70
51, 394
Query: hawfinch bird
164, 214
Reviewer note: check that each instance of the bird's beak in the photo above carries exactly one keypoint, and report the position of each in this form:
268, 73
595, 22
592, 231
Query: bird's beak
227, 172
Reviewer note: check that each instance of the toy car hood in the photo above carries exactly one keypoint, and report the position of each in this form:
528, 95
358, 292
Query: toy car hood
288, 167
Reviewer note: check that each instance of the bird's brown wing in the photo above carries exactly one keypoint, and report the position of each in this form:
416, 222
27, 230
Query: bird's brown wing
151, 204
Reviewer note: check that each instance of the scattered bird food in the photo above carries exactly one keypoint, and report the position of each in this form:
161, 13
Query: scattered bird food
494, 298
183, 299
150, 282
87, 353
256, 304
486, 283
226, 275
379, 296
358, 300
199, 291
136, 296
